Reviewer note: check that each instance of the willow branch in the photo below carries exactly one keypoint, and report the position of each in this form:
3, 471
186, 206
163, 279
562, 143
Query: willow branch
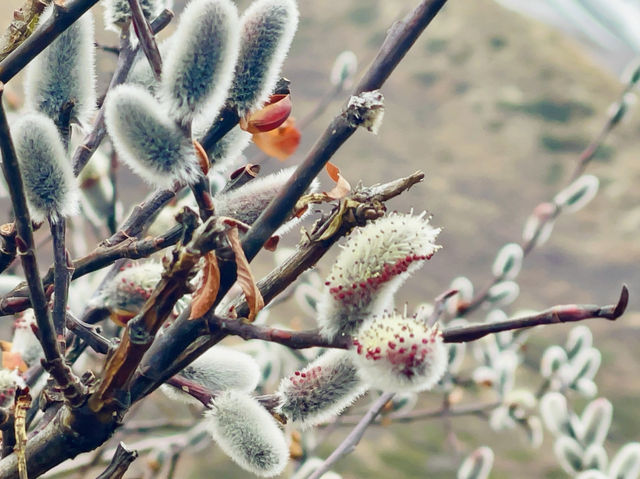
146, 38
312, 338
47, 32
61, 277
20, 28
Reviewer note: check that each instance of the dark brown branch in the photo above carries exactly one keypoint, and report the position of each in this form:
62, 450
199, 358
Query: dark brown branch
121, 461
60, 20
399, 40
422, 414
312, 338
146, 38
20, 28
90, 334
61, 277
142, 214
126, 57
141, 330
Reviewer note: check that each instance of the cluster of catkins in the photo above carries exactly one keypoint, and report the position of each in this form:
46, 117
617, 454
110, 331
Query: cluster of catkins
390, 352
217, 58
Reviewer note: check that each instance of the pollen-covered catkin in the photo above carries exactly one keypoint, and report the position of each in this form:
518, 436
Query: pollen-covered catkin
150, 143
46, 171
247, 433
372, 265
267, 30
127, 292
322, 390
199, 67
395, 353
63, 75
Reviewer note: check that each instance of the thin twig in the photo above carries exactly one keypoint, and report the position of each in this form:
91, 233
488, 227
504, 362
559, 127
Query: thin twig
126, 57
146, 38
61, 277
351, 441
120, 462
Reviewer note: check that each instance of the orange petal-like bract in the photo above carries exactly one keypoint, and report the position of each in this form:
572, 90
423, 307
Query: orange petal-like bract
271, 116
280, 143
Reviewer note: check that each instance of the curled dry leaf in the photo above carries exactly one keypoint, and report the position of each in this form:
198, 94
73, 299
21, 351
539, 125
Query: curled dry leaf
206, 294
342, 188
271, 116
280, 143
245, 277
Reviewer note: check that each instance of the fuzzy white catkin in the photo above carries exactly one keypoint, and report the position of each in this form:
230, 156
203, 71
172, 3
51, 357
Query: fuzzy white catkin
322, 390
267, 30
46, 171
24, 341
199, 68
9, 381
395, 353
64, 72
247, 202
150, 143
247, 433
372, 265
221, 368
141, 73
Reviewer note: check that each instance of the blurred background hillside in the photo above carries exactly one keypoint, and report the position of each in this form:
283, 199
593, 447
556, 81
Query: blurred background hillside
495, 108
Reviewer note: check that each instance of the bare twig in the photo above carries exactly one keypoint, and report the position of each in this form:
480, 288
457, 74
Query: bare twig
351, 441
126, 56
61, 277
120, 462
146, 38
20, 28
7, 245
313, 338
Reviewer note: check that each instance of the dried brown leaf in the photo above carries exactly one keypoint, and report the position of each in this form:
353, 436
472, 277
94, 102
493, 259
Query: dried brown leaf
245, 277
342, 188
206, 294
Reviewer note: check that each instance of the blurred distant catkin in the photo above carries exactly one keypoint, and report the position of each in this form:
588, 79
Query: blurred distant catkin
248, 434
267, 29
199, 67
372, 265
62, 76
151, 144
46, 171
